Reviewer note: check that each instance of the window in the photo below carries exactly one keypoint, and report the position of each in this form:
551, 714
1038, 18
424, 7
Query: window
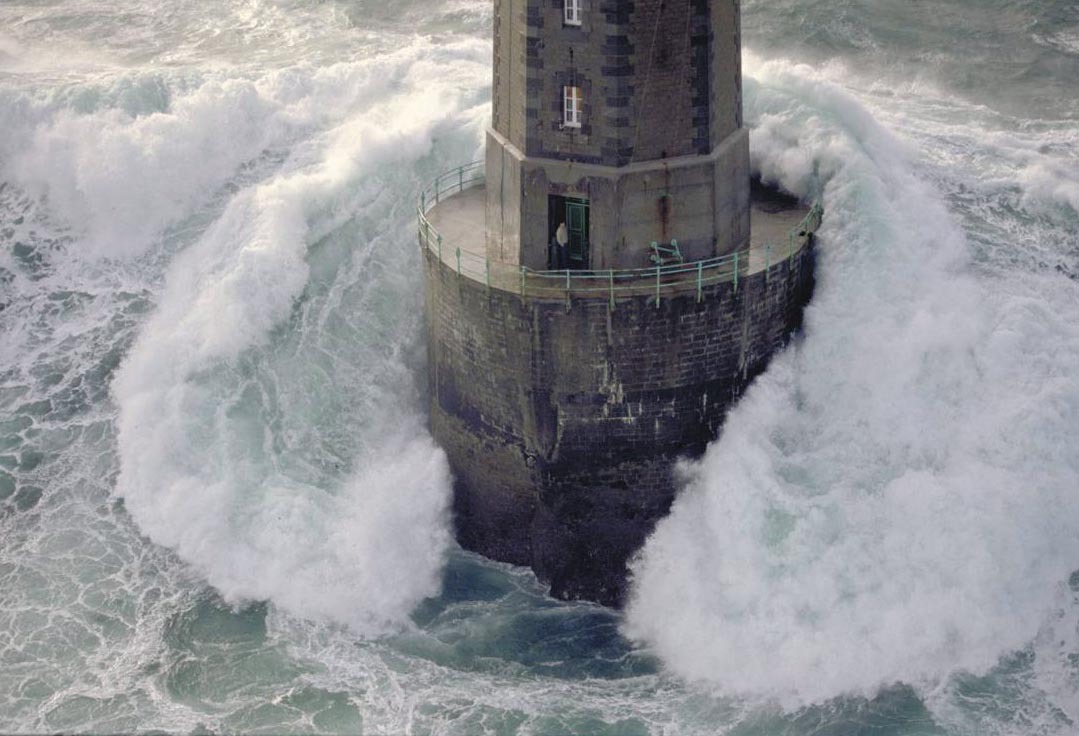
573, 12
571, 107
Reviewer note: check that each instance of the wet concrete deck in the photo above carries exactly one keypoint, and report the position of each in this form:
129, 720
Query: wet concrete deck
460, 221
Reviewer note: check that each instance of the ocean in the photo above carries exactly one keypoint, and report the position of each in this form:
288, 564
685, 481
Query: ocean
220, 509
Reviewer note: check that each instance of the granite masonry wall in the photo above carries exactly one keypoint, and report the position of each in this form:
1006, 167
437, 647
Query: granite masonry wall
660, 154
562, 423
650, 71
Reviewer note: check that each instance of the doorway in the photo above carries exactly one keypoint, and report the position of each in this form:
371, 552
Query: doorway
573, 212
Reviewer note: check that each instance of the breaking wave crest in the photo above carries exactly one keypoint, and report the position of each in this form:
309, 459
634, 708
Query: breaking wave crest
213, 462
894, 500
270, 428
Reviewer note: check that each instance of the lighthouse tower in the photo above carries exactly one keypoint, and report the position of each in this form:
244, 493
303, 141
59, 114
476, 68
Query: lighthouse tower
595, 300
621, 119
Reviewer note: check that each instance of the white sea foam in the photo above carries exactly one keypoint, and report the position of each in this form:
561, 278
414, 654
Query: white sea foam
1052, 181
200, 470
282, 464
121, 178
894, 500
122, 174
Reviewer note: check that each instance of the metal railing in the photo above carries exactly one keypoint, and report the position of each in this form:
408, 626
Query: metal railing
655, 281
448, 184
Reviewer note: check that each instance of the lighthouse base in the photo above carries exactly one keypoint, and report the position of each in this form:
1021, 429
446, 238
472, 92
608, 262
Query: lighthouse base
576, 530
563, 420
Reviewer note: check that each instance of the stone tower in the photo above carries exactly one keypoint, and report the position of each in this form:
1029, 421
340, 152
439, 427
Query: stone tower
595, 300
623, 119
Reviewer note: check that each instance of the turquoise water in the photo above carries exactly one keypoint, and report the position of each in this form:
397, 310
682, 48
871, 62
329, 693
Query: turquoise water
220, 510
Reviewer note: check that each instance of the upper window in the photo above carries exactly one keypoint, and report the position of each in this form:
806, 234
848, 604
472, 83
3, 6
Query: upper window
573, 12
571, 107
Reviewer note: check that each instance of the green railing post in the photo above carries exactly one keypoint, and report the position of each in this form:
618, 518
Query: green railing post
423, 201
487, 272
458, 260
735, 272
436, 189
439, 244
610, 283
700, 273
657, 287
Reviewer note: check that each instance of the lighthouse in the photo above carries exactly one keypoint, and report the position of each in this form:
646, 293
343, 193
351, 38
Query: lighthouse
604, 284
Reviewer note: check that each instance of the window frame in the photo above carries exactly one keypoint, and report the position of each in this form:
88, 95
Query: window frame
572, 104
571, 12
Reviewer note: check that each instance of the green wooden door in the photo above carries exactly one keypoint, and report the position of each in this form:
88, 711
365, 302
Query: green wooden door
577, 225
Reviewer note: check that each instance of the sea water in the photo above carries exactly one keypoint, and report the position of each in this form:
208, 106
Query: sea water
220, 509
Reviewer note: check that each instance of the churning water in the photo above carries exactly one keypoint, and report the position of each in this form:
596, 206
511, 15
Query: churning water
219, 507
